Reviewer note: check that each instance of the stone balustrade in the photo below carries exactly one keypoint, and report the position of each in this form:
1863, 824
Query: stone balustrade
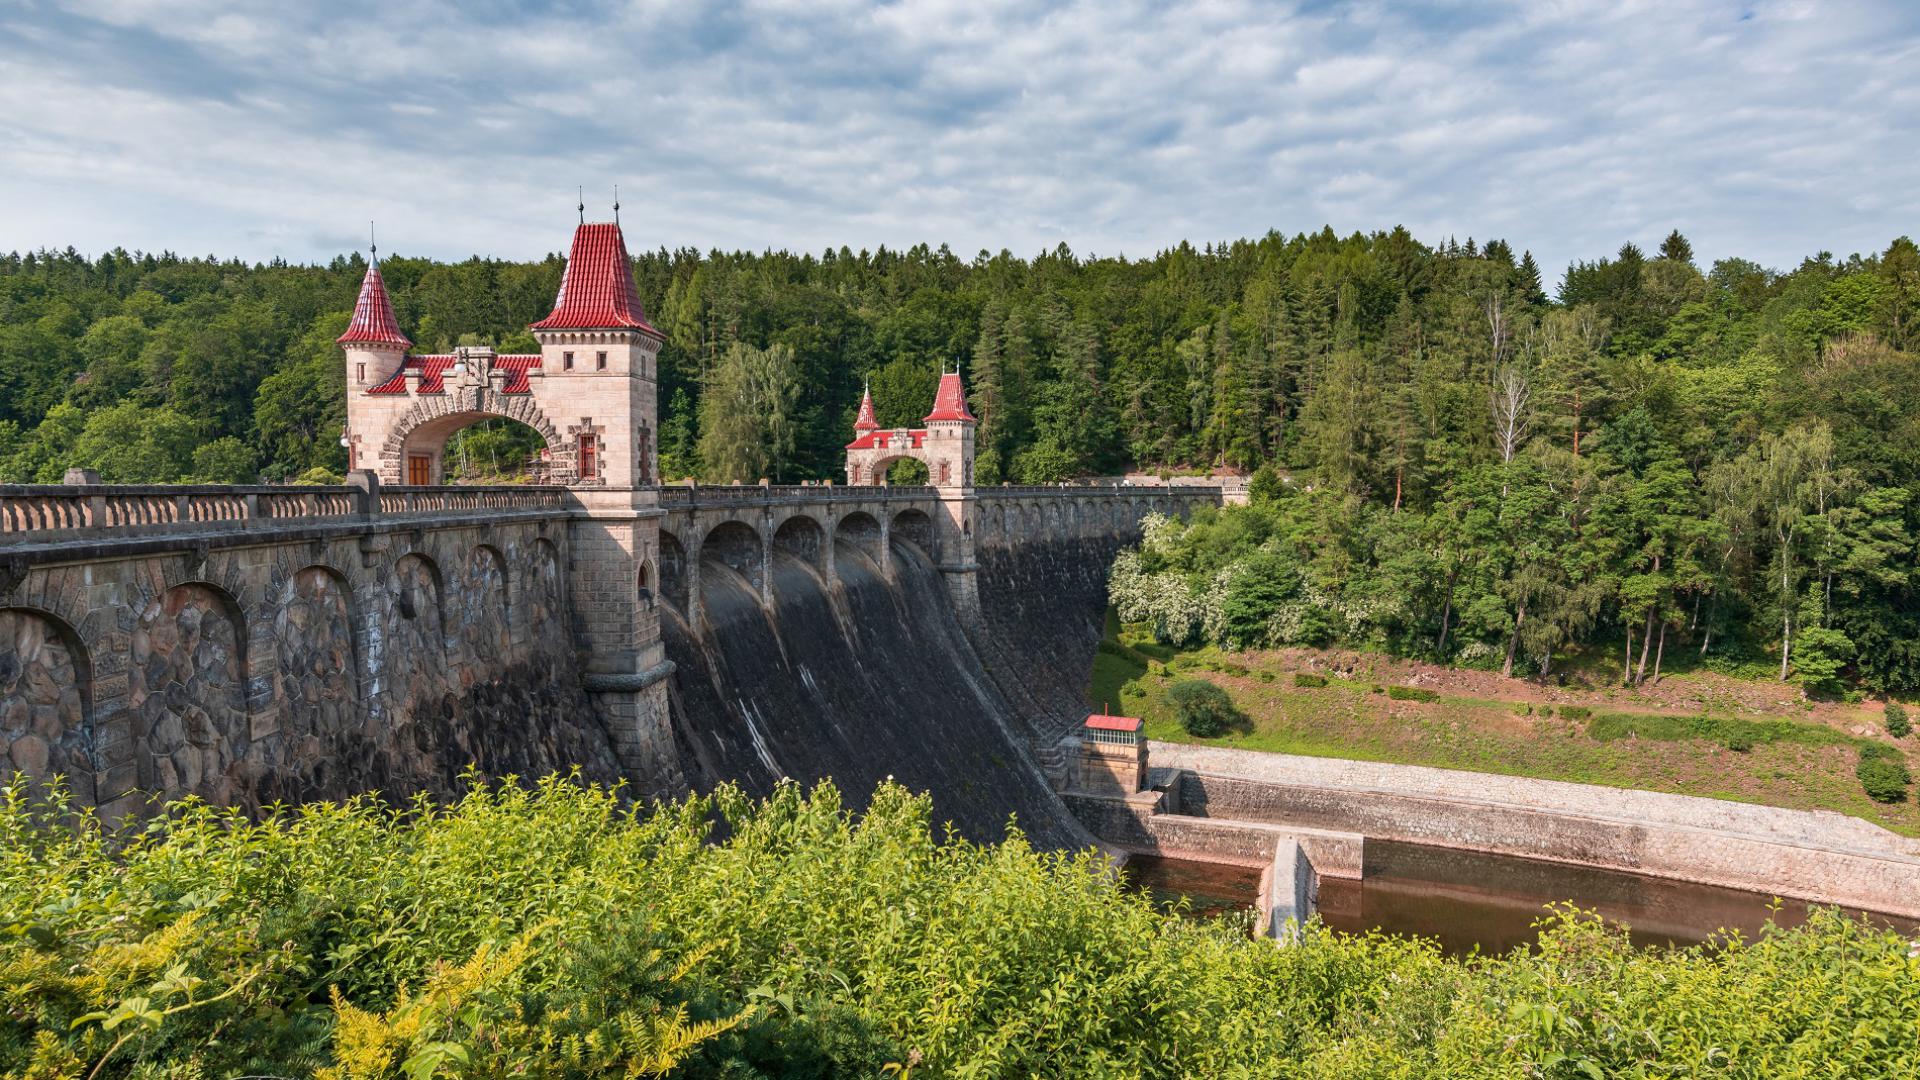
48, 513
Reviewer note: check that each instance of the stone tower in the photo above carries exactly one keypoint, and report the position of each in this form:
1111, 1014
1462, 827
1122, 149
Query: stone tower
590, 393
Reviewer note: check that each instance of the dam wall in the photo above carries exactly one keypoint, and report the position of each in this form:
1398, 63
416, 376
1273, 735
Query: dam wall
259, 645
253, 646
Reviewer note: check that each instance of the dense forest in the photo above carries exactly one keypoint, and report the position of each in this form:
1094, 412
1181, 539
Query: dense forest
1458, 462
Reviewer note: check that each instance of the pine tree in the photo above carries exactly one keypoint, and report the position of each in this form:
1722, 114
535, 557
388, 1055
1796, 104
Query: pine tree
1676, 248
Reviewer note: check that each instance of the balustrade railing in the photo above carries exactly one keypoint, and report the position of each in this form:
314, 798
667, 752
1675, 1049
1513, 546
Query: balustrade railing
50, 512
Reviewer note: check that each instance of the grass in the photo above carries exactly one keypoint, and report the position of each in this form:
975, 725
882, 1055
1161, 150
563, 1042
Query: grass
1776, 760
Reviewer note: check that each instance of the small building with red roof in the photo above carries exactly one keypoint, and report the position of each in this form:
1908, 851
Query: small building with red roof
1113, 756
590, 392
945, 444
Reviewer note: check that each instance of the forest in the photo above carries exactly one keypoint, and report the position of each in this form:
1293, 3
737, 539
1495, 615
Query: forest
1656, 457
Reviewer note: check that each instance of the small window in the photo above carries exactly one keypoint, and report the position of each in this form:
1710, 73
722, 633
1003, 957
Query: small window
566, 360
360, 373
589, 458
600, 361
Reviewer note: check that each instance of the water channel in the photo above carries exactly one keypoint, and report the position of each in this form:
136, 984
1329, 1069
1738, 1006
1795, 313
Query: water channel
1468, 901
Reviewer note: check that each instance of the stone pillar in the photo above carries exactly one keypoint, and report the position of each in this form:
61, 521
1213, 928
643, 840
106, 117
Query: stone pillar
953, 529
623, 661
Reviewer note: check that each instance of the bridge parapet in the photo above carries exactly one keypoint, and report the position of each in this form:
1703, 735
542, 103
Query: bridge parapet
56, 513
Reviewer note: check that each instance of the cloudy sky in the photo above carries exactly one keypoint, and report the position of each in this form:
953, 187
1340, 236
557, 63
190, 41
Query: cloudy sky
1766, 128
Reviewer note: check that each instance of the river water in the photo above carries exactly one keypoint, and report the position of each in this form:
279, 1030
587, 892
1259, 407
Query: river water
1469, 901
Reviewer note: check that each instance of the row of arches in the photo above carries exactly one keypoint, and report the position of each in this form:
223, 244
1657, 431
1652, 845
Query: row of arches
748, 550
245, 700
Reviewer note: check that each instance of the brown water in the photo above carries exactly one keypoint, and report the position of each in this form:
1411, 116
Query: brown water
1468, 901
1209, 888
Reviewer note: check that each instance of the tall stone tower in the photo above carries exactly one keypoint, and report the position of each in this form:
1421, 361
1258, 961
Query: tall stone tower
590, 392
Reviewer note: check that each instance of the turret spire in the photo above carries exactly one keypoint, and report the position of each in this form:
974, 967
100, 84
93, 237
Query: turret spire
865, 421
373, 320
950, 402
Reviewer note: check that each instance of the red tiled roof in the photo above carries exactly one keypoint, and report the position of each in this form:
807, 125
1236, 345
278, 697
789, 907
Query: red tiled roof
1113, 723
865, 421
434, 366
597, 291
881, 440
951, 402
373, 322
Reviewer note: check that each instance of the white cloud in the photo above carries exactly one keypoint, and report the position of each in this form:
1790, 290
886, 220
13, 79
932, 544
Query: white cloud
1766, 129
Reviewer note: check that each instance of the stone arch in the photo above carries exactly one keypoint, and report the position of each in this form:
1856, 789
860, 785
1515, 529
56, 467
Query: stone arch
801, 536
479, 610
46, 707
432, 420
860, 531
544, 592
913, 526
673, 571
739, 547
414, 591
186, 693
316, 670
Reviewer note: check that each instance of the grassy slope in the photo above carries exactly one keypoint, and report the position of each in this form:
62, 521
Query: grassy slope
1480, 733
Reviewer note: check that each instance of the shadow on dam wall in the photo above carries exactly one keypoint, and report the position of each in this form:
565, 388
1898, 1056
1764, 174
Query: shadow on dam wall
878, 679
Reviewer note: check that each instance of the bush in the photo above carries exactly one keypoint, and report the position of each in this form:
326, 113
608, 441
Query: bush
1883, 773
1202, 708
1412, 693
1897, 724
556, 931
1576, 712
1730, 732
1309, 680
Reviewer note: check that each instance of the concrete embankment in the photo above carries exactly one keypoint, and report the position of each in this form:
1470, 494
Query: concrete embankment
1807, 855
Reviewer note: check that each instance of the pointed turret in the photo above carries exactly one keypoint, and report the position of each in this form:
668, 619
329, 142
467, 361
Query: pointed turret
865, 421
597, 291
373, 322
950, 403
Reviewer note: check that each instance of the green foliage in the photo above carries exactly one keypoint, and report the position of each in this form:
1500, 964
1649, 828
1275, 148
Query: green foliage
1412, 693
1576, 712
1203, 709
225, 460
1898, 725
1883, 772
1308, 679
555, 931
1725, 730
748, 415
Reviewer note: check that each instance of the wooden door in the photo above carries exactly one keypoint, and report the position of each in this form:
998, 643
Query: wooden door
420, 469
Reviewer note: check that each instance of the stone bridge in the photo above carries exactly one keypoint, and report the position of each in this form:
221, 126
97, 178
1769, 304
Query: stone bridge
258, 644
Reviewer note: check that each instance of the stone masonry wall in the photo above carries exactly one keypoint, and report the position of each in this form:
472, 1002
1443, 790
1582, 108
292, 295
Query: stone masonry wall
320, 668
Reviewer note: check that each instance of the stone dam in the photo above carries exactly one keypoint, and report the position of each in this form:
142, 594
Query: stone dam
255, 645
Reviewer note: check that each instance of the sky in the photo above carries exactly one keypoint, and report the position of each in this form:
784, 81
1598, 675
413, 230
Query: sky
1766, 129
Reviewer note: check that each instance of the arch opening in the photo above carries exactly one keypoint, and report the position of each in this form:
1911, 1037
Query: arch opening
802, 537
860, 532
916, 528
736, 545
673, 571
45, 706
479, 447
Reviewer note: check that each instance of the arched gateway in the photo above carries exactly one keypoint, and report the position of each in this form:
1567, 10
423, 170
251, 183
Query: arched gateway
589, 392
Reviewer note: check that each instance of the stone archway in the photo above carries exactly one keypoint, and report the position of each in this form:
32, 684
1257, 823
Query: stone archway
425, 428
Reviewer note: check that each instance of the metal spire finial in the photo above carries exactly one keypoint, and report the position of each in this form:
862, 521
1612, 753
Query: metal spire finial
616, 204
582, 193
371, 246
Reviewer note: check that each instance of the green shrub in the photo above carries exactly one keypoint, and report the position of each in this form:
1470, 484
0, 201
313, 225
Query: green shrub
557, 931
1264, 675
1898, 725
1203, 709
1546, 711
1883, 773
1412, 693
1576, 712
1739, 741
1309, 680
